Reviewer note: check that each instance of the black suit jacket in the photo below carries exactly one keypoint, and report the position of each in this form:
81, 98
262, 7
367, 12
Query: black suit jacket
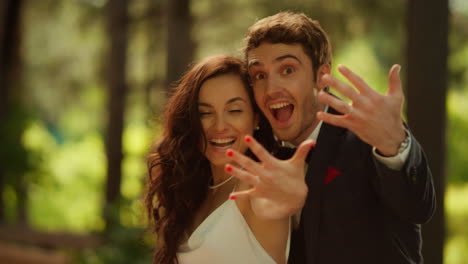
357, 209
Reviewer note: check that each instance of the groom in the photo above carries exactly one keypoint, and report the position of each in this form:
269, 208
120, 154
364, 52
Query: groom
367, 187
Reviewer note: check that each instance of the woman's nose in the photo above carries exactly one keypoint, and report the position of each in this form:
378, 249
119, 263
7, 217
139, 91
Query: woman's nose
220, 123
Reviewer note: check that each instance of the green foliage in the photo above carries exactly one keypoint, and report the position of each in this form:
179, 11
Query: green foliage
123, 245
456, 204
17, 163
15, 160
71, 194
457, 121
73, 172
62, 60
60, 150
457, 139
359, 56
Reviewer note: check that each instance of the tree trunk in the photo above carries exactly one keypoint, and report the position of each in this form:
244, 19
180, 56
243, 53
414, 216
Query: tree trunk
427, 51
180, 45
117, 90
3, 92
10, 78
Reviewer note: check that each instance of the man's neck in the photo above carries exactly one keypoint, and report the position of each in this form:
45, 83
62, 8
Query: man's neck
312, 131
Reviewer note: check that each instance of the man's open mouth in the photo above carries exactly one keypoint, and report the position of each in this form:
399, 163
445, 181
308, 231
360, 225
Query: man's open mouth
282, 111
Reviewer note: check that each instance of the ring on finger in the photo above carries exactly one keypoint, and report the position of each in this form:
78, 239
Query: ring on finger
350, 109
258, 180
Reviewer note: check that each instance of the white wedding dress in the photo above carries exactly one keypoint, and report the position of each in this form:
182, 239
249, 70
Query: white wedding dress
224, 237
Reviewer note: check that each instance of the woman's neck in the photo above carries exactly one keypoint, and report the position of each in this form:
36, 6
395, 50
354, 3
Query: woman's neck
219, 174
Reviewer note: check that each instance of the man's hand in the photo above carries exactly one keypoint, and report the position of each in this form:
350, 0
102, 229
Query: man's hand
279, 188
373, 117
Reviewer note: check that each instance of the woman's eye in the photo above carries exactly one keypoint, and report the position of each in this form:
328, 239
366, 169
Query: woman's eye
288, 70
235, 111
204, 113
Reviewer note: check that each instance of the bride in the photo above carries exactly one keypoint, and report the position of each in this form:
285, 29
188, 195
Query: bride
189, 183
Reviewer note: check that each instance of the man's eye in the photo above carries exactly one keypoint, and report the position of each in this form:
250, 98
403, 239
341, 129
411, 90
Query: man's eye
288, 70
259, 76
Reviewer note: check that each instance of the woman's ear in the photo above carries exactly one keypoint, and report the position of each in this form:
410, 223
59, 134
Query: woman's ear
322, 70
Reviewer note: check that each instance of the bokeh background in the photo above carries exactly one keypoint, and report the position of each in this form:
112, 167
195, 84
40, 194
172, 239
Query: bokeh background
83, 83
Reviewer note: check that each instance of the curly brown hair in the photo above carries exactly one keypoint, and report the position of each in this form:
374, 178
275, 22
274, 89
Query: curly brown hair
291, 28
178, 171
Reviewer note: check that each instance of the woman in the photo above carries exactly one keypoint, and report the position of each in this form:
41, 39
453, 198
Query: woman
211, 110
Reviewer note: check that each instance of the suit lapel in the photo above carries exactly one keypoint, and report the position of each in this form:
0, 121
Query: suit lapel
322, 156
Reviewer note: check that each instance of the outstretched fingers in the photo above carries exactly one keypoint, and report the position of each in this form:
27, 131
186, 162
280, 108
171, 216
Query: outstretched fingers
242, 194
338, 104
241, 174
258, 150
335, 120
244, 162
394, 81
357, 81
244, 176
341, 87
302, 151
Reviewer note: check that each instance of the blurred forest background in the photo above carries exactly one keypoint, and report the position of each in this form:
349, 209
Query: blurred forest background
83, 83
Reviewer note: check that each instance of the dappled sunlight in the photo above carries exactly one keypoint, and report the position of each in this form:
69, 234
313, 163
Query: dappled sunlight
69, 197
456, 202
66, 195
359, 57
64, 86
457, 140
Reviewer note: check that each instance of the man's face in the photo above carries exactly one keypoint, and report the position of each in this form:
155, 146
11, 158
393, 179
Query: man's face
285, 89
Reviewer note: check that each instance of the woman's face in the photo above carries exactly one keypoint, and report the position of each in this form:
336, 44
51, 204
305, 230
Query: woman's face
226, 116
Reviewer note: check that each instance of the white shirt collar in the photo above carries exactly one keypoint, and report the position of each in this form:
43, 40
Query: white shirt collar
313, 135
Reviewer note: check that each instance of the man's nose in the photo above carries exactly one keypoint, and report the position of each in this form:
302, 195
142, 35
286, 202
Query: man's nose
274, 84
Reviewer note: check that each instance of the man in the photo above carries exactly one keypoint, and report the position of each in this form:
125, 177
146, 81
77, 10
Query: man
368, 187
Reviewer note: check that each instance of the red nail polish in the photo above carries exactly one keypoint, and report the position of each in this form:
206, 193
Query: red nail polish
232, 197
230, 153
248, 139
228, 168
312, 146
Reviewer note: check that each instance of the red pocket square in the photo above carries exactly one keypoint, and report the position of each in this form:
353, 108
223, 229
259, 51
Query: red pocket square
331, 174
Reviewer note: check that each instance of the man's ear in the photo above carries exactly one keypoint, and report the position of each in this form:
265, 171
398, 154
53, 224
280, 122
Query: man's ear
322, 70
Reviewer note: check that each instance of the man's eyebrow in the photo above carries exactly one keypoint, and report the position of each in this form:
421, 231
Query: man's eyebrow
255, 62
230, 101
280, 58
